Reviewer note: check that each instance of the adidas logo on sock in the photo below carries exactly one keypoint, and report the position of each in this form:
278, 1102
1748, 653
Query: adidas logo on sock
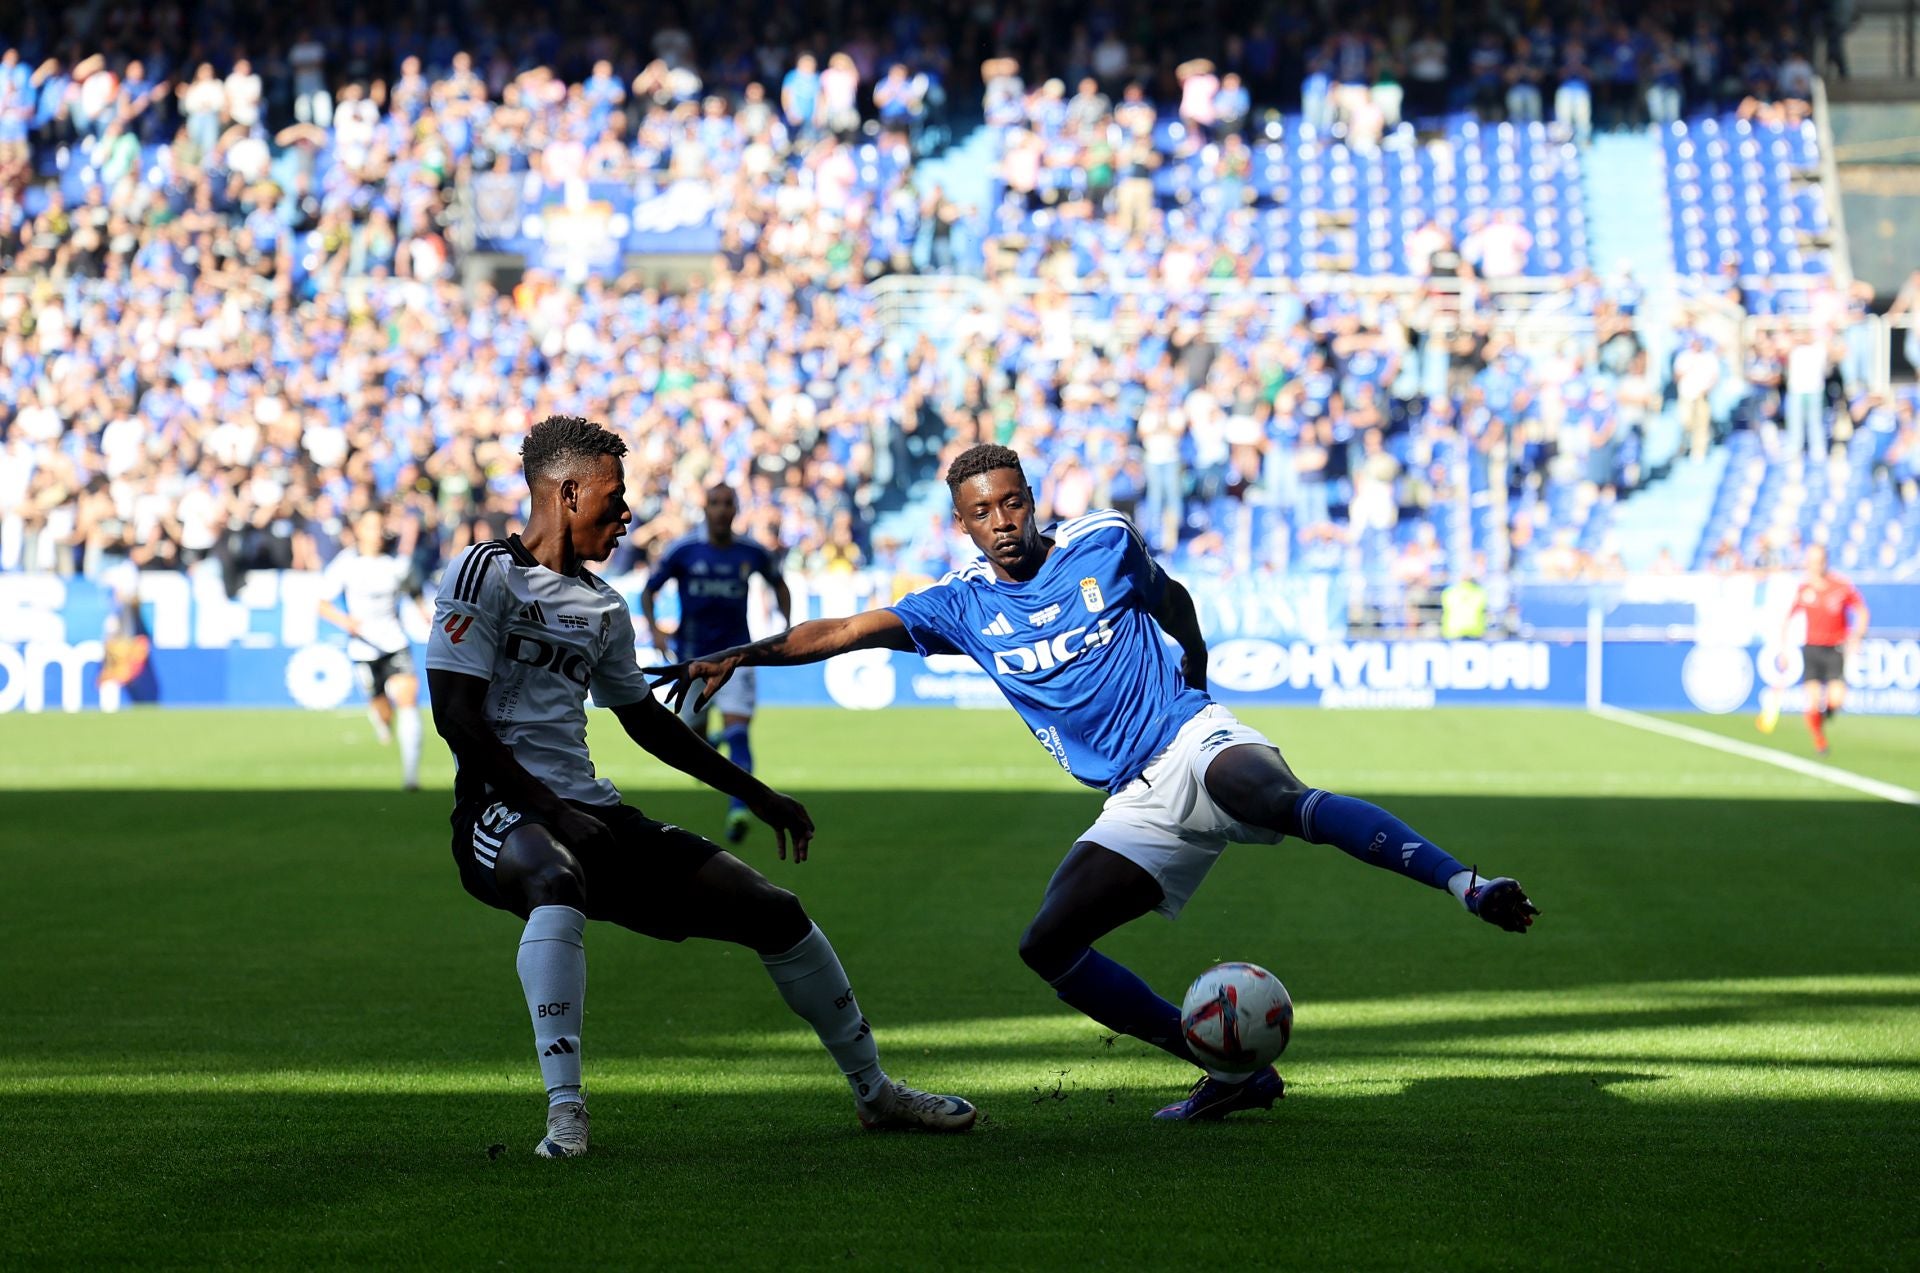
560, 1048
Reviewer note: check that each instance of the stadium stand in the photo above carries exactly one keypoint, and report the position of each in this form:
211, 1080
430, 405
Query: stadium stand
1300, 298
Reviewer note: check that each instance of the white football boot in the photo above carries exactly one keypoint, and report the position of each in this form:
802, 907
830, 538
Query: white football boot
566, 1135
897, 1107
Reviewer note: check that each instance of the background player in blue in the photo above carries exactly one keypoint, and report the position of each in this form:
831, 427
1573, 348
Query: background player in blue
712, 573
1068, 622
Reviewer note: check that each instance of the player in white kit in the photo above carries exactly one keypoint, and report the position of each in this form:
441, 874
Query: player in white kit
521, 632
371, 581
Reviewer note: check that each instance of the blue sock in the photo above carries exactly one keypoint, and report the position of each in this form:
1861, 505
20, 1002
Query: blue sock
739, 751
1373, 835
1114, 995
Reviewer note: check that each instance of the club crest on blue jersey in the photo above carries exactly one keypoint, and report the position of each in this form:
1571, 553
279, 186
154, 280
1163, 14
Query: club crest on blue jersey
1090, 593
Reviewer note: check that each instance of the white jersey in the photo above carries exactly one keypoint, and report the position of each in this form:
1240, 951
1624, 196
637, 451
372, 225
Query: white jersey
542, 640
373, 587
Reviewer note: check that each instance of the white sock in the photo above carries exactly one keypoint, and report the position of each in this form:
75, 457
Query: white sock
406, 724
1460, 881
380, 730
815, 986
553, 972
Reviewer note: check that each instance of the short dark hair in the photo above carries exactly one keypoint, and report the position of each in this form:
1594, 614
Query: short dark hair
559, 440
985, 458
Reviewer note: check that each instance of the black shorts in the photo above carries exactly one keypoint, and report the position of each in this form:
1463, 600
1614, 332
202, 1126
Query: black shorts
641, 883
1823, 663
375, 673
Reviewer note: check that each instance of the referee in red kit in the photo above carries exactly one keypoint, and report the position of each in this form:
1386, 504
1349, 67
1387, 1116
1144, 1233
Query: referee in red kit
1836, 620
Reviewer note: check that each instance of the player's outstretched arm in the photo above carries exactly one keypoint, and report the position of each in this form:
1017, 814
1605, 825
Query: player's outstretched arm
782, 595
1857, 619
337, 617
808, 642
670, 740
459, 714
1176, 615
653, 628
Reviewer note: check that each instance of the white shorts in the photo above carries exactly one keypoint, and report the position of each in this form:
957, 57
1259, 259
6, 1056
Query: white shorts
1166, 822
736, 698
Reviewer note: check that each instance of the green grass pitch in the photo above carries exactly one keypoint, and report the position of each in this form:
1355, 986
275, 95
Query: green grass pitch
251, 1019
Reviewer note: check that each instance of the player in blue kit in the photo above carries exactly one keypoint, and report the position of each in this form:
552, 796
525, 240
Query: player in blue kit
713, 573
1068, 622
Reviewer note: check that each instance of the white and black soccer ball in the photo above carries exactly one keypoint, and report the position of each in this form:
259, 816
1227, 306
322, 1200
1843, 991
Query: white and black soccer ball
1237, 1017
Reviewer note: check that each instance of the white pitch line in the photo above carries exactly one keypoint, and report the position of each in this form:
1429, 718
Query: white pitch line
1765, 755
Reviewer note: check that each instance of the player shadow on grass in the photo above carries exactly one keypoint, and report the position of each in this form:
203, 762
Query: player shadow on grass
333, 905
1753, 1005
1071, 1092
309, 1179
1073, 1054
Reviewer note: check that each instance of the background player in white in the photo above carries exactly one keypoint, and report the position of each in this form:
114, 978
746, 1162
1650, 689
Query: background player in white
1071, 623
521, 631
713, 573
371, 581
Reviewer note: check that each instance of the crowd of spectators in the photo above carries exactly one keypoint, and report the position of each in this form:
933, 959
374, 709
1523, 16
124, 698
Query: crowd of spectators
233, 314
1366, 66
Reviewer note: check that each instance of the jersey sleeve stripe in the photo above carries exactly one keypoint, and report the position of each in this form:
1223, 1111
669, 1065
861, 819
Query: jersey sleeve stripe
496, 557
466, 570
1091, 522
471, 578
1099, 517
972, 570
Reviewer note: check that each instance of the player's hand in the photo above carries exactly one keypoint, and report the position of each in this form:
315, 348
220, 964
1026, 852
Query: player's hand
787, 817
578, 830
711, 673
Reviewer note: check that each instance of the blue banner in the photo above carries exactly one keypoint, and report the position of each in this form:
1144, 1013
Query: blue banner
1273, 642
590, 227
1883, 679
1720, 608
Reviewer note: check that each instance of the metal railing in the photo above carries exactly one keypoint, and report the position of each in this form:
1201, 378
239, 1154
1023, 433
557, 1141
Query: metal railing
1830, 185
942, 303
1884, 41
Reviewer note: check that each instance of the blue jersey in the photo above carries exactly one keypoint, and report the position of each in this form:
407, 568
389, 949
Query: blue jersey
713, 591
1075, 649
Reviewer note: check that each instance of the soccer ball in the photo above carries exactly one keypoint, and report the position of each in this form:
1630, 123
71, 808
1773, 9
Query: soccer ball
1237, 1017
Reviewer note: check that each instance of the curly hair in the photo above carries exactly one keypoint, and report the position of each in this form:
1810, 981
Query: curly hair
560, 440
985, 458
